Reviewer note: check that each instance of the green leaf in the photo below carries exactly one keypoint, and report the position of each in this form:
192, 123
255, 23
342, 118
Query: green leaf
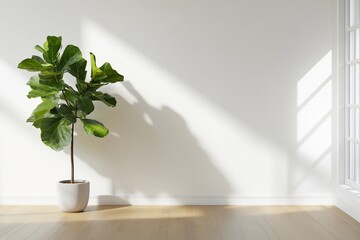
96, 128
53, 79
55, 132
53, 45
40, 90
71, 96
96, 73
86, 105
46, 46
93, 86
33, 65
103, 97
51, 75
112, 75
38, 59
78, 70
40, 49
66, 112
63, 109
42, 109
70, 55
37, 123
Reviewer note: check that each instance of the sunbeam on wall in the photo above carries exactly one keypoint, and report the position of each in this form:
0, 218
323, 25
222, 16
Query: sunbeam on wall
314, 139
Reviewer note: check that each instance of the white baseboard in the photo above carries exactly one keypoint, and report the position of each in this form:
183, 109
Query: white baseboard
348, 200
179, 200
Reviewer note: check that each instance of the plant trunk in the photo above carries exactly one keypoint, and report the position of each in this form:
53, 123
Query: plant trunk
72, 153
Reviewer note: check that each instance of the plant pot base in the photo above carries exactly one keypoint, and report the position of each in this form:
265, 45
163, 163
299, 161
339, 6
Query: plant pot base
73, 197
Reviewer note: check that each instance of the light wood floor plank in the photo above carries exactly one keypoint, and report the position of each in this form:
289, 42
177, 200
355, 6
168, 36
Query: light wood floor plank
129, 225
181, 223
239, 223
42, 216
14, 225
153, 222
101, 223
205, 224
290, 222
178, 223
338, 223
8, 216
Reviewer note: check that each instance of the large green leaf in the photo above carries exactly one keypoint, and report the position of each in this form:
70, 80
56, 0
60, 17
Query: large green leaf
37, 123
53, 45
78, 70
55, 132
42, 109
103, 97
112, 75
53, 79
41, 90
71, 55
66, 112
93, 86
38, 59
93, 127
32, 65
96, 73
86, 105
70, 96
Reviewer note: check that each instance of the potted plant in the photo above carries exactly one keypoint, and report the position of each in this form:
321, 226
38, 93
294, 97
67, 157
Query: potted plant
63, 103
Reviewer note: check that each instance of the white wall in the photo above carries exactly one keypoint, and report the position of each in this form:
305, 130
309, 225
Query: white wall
225, 101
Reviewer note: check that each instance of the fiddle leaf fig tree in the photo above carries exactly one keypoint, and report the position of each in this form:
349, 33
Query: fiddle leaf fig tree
63, 104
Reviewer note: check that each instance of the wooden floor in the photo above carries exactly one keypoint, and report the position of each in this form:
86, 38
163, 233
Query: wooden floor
178, 222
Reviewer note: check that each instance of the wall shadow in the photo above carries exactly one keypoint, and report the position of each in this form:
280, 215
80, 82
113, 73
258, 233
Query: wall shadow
254, 71
149, 151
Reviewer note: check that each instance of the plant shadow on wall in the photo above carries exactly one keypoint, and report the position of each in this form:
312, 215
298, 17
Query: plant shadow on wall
259, 79
150, 151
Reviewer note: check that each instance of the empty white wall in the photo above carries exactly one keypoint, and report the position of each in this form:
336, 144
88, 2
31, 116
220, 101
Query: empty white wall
225, 101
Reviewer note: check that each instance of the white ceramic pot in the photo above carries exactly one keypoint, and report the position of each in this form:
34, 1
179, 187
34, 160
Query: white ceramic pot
73, 197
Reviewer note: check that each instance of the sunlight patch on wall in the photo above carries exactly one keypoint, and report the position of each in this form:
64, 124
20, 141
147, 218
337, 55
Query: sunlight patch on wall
317, 109
314, 97
314, 78
314, 126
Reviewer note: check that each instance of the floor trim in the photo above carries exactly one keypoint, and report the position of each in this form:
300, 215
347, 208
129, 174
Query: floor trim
178, 200
348, 200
